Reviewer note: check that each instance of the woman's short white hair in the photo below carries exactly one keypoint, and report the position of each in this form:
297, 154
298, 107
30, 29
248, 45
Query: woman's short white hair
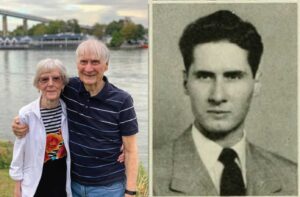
48, 65
94, 47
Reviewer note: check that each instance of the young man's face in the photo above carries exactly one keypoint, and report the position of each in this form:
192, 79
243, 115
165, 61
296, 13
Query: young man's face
220, 85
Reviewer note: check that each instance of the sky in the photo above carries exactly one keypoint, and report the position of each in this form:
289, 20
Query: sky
87, 12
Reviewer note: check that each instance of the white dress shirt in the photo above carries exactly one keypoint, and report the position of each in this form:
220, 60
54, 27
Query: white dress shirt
209, 152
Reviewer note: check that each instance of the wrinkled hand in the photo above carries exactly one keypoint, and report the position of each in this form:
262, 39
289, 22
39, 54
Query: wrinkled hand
121, 157
20, 130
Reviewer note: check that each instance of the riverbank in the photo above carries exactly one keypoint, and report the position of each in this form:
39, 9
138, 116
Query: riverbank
7, 184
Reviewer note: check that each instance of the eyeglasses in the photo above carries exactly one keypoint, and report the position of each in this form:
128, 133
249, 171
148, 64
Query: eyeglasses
55, 79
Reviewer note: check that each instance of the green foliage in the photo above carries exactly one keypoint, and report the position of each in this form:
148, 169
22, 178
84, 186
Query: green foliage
131, 31
140, 31
72, 26
6, 184
122, 30
128, 31
6, 149
39, 29
98, 30
56, 26
19, 31
117, 39
114, 27
142, 182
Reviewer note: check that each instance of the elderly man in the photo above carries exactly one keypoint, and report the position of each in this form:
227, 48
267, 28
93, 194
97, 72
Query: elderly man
221, 54
101, 118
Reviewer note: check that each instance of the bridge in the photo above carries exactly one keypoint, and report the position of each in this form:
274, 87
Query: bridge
25, 17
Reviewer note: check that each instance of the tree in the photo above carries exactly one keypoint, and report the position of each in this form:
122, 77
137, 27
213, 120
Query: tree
117, 39
114, 27
56, 26
128, 31
73, 26
19, 31
119, 30
140, 32
98, 30
39, 29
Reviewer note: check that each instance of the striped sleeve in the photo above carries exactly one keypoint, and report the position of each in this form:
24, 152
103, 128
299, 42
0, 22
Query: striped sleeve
128, 120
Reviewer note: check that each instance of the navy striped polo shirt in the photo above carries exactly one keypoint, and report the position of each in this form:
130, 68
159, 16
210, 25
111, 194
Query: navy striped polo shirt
96, 126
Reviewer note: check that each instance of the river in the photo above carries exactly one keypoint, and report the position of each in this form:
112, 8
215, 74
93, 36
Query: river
128, 69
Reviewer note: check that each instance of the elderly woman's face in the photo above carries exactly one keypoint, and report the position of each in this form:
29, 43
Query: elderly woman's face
50, 84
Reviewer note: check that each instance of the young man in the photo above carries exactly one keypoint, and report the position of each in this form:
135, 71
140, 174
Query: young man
221, 55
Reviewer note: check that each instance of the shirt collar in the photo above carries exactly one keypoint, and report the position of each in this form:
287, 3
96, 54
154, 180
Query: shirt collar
210, 159
203, 145
101, 95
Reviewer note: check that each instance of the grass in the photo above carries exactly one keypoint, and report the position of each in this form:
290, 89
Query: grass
142, 182
5, 154
7, 184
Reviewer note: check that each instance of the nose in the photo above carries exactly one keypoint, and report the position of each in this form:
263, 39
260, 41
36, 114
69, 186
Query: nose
217, 94
88, 67
50, 83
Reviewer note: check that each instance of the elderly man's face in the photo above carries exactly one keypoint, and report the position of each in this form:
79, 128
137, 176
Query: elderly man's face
91, 69
220, 85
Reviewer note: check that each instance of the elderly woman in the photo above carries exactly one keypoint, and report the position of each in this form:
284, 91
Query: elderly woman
41, 160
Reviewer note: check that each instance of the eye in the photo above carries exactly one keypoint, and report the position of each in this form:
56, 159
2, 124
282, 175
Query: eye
44, 79
234, 75
56, 79
95, 62
202, 75
84, 62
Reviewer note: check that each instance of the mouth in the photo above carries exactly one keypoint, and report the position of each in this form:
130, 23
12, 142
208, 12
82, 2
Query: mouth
51, 91
89, 75
218, 114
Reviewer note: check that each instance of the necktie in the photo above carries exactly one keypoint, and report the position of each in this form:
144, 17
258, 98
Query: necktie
231, 180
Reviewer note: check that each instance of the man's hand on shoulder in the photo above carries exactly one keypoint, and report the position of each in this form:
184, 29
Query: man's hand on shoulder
20, 130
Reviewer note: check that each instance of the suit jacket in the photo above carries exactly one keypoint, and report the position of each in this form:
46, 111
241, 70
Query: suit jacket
179, 171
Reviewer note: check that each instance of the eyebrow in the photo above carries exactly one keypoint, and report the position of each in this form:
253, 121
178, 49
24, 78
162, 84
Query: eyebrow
226, 73
235, 73
203, 73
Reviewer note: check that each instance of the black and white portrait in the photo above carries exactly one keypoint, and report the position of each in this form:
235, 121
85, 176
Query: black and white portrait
224, 99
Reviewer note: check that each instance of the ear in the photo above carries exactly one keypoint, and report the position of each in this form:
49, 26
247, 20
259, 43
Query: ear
257, 84
106, 66
185, 79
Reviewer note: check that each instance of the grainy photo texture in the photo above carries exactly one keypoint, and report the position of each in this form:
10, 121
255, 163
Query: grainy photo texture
225, 99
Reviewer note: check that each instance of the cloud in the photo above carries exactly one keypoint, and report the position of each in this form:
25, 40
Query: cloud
87, 12
120, 4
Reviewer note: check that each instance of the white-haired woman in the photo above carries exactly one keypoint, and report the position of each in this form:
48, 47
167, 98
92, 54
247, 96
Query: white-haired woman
41, 160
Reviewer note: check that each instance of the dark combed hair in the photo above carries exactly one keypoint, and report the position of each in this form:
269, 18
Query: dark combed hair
219, 26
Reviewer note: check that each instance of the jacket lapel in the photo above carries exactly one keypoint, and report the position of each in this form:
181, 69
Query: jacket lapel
189, 173
262, 179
